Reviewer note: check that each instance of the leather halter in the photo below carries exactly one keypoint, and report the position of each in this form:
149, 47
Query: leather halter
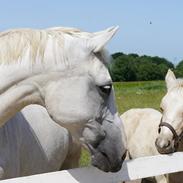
176, 137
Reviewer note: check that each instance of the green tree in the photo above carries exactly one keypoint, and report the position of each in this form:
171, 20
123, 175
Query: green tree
133, 67
123, 69
117, 54
179, 69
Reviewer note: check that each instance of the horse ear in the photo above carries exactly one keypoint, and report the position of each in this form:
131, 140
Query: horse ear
170, 80
100, 39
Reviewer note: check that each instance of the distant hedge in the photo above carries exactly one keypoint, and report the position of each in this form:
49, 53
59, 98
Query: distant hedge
132, 67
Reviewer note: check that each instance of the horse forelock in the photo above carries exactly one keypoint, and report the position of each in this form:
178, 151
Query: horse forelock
31, 45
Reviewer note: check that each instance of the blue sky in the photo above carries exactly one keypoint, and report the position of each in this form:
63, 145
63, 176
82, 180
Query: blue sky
162, 37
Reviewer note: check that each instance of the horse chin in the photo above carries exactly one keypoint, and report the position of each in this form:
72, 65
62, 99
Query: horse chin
166, 150
101, 162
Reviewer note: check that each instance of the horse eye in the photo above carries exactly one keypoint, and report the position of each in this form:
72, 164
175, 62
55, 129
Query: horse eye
161, 109
106, 89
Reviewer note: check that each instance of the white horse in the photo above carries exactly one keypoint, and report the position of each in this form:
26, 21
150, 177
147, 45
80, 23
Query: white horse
65, 71
141, 127
170, 134
31, 143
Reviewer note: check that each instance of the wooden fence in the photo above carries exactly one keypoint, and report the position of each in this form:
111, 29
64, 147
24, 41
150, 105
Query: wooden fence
131, 170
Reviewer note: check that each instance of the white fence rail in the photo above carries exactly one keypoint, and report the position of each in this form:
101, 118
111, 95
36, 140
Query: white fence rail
132, 170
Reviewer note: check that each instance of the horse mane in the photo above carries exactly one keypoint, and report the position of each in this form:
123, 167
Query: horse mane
18, 44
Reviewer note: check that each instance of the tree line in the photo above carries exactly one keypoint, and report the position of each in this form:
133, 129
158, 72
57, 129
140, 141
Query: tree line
132, 67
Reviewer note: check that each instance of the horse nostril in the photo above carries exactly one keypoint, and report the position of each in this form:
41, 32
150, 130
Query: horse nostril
159, 130
167, 144
157, 144
104, 154
161, 143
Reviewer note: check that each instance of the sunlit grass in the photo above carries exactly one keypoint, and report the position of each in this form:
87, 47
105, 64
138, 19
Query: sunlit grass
139, 94
85, 158
134, 95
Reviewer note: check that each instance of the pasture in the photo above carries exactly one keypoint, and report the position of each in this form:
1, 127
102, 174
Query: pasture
134, 95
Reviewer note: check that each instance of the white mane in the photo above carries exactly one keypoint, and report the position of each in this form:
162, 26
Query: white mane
20, 45
16, 44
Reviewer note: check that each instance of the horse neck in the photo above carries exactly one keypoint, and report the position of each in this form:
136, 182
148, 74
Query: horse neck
20, 87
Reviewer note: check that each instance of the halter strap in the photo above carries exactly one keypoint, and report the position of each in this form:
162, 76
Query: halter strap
176, 137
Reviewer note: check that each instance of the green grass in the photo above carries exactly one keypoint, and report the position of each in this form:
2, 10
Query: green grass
134, 95
85, 158
139, 94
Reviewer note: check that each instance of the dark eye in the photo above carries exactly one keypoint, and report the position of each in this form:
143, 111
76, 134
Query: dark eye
106, 89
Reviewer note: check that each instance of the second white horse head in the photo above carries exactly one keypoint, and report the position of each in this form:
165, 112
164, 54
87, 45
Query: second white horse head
171, 125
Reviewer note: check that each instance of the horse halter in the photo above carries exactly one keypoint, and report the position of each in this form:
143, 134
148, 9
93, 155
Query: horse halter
176, 137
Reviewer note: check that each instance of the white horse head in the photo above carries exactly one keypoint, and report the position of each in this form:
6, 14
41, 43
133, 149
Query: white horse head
171, 125
65, 70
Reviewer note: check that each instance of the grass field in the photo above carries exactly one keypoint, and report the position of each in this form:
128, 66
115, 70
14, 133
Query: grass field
134, 95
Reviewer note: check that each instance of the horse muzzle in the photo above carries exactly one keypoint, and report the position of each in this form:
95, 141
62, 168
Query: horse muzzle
164, 146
